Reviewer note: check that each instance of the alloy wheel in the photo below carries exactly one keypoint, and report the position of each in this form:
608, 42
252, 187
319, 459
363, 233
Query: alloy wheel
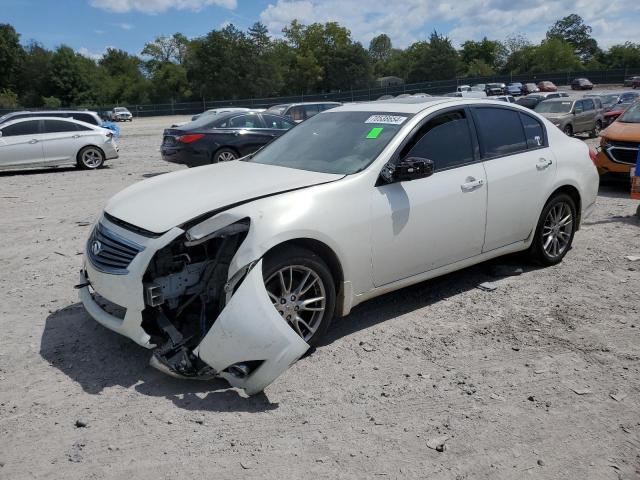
226, 157
557, 230
298, 294
92, 158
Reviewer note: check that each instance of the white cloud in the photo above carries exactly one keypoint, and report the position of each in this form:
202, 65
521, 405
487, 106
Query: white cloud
158, 6
85, 52
124, 26
614, 21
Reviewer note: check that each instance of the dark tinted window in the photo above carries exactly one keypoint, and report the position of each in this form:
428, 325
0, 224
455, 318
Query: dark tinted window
244, 121
533, 131
29, 127
588, 104
444, 139
271, 121
500, 131
327, 106
85, 117
311, 110
58, 126
579, 107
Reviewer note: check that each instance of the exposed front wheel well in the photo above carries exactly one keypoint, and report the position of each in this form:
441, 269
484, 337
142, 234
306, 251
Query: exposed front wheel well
575, 196
320, 249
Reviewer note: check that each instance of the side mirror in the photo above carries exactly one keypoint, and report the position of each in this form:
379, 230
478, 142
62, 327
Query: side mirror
412, 168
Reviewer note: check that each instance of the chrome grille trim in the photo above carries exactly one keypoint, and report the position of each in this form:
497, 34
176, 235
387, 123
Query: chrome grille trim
623, 154
110, 252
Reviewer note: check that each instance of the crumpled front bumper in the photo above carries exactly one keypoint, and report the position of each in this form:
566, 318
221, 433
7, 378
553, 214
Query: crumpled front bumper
249, 329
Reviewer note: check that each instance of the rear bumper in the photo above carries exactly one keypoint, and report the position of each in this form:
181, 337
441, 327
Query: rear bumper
185, 156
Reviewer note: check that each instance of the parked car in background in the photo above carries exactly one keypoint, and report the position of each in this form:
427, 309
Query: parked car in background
632, 81
505, 98
612, 113
619, 143
468, 94
531, 100
495, 89
238, 268
53, 141
515, 89
528, 88
299, 112
384, 97
581, 84
221, 138
547, 86
121, 114
463, 88
572, 116
217, 111
86, 116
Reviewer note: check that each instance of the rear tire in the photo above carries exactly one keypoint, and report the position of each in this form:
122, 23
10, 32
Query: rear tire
90, 158
224, 155
305, 276
554, 232
596, 130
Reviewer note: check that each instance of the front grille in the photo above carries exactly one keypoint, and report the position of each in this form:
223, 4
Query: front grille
623, 152
110, 252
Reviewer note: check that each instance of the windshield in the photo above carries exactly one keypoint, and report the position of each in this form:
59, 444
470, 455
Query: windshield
609, 99
279, 109
120, 109
334, 142
632, 115
554, 107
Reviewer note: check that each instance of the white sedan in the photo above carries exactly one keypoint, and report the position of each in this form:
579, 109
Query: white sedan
236, 269
52, 141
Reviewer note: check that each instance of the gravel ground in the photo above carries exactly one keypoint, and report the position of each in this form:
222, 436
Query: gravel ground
537, 379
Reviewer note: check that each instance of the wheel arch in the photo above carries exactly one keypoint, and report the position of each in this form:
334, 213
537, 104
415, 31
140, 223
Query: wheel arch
79, 161
574, 193
220, 147
327, 254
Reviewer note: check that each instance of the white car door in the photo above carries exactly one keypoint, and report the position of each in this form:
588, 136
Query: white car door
519, 165
20, 143
61, 140
423, 224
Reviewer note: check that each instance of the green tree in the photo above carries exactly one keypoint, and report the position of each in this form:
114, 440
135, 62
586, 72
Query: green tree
167, 49
11, 56
380, 47
574, 31
433, 60
8, 99
622, 56
555, 55
34, 75
68, 75
485, 53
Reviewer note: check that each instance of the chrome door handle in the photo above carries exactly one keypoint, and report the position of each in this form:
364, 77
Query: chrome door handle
543, 163
32, 141
471, 185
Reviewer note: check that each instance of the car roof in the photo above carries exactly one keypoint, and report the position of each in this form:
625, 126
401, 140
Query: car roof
295, 104
562, 99
30, 119
413, 105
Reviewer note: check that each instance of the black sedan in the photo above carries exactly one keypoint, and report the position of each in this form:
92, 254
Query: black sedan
221, 138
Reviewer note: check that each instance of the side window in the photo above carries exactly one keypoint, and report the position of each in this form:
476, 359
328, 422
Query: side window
58, 126
435, 141
500, 131
30, 127
85, 117
271, 121
533, 131
579, 108
296, 114
245, 121
327, 106
587, 104
311, 110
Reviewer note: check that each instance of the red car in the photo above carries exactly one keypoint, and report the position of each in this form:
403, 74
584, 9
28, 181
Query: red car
547, 86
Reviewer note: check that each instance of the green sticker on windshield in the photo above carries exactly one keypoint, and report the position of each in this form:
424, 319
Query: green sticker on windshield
374, 132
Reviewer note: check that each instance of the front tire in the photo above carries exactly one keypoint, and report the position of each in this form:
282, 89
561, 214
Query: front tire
596, 129
555, 231
568, 131
90, 158
302, 290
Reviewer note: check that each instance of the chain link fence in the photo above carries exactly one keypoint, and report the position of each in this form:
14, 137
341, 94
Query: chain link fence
439, 87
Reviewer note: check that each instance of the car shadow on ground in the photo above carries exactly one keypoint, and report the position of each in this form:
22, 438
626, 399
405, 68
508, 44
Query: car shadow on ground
41, 171
97, 358
424, 294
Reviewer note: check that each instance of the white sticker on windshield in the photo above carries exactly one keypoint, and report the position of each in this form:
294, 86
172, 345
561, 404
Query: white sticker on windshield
386, 119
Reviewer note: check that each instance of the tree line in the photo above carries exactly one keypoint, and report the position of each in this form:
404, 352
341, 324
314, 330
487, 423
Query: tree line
230, 63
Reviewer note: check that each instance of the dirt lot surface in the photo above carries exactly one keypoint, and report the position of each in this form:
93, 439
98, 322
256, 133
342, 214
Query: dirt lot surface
538, 379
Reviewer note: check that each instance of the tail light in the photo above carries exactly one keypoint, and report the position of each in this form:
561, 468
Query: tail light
593, 154
190, 138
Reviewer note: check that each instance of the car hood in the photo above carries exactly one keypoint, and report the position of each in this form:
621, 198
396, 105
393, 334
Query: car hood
165, 201
624, 132
555, 116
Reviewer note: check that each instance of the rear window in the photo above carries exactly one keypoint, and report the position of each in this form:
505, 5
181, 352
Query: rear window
59, 126
500, 131
533, 131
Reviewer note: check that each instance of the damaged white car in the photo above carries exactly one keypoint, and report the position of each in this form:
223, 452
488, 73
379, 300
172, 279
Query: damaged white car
237, 268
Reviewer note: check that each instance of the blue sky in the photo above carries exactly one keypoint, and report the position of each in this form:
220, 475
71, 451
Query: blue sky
90, 26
